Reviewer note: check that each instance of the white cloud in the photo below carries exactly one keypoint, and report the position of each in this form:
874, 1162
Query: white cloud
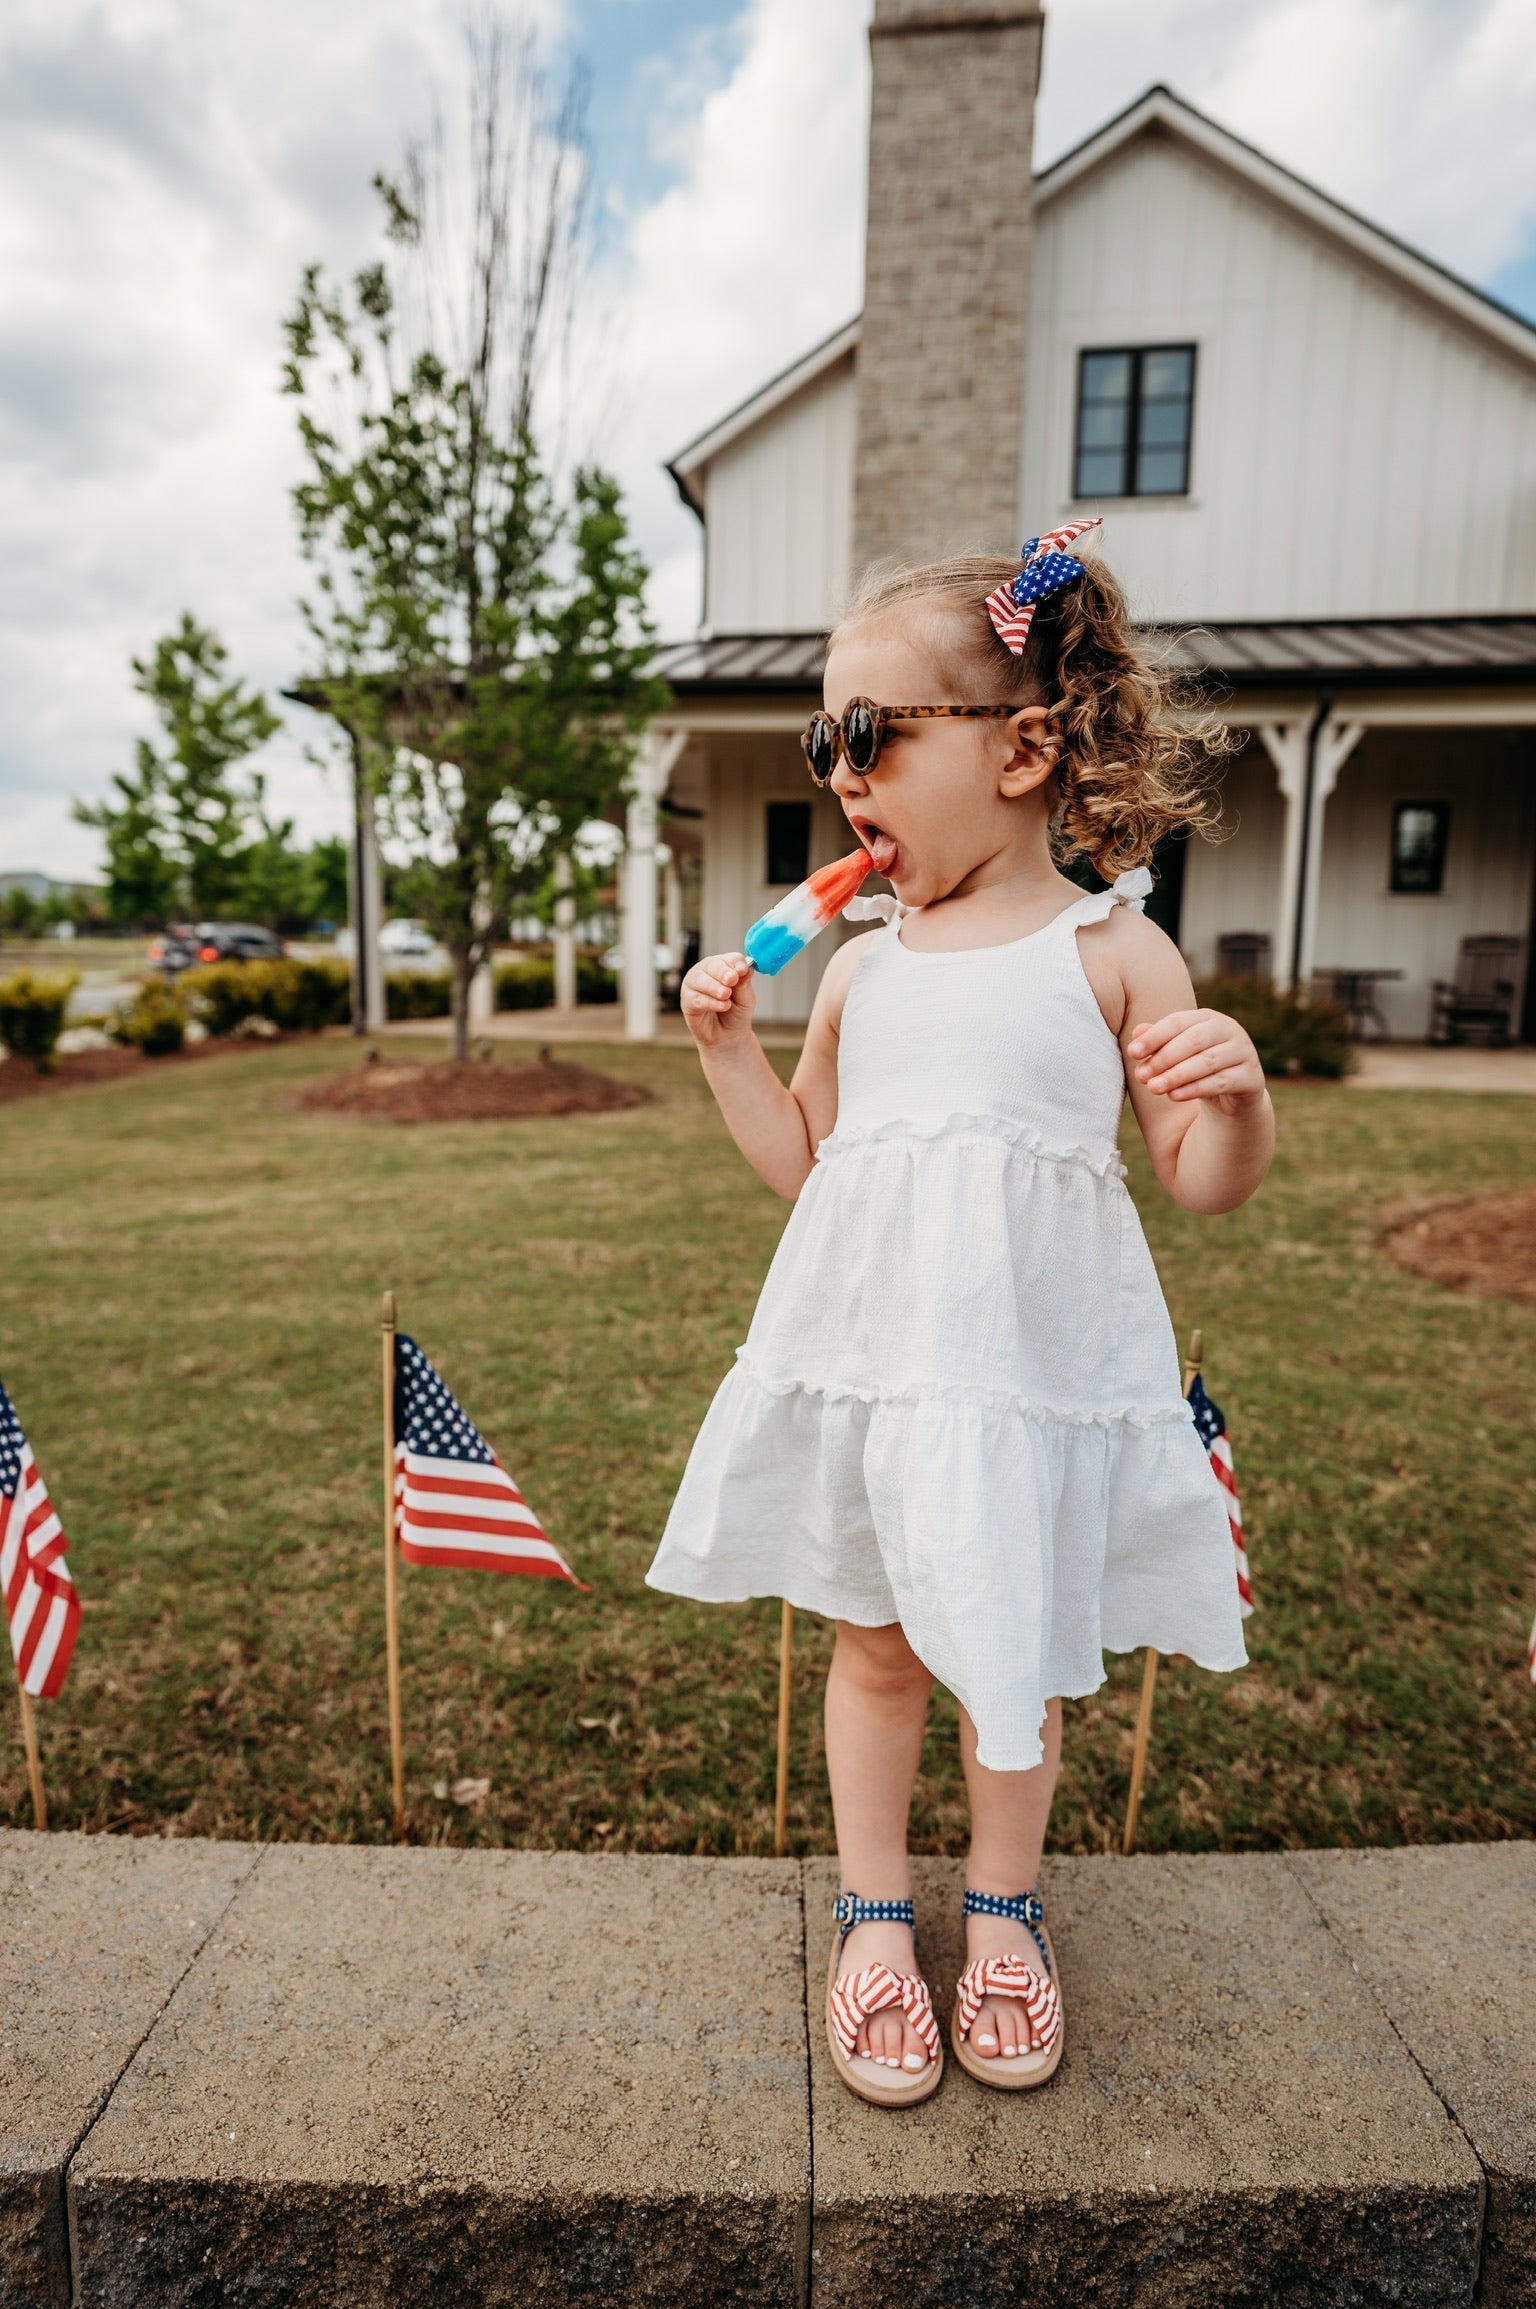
1420, 113
166, 169
754, 254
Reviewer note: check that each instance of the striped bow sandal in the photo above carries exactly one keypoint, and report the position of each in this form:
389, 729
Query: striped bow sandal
858, 1996
992, 1976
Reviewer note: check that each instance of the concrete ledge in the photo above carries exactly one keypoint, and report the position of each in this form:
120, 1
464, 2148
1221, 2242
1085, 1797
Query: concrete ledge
1235, 2119
95, 1933
463, 2077
349, 2076
1445, 1937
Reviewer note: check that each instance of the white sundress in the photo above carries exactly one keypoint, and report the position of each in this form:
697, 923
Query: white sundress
958, 1405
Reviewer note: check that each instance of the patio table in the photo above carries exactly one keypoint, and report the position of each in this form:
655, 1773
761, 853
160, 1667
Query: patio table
1354, 990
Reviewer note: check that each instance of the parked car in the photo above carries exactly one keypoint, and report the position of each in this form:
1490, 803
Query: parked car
175, 949
404, 935
236, 942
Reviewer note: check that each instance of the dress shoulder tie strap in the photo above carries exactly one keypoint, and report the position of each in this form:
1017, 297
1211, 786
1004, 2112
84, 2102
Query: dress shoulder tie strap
1132, 889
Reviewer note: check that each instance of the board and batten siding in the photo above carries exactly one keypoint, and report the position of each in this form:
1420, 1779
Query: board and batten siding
1357, 451
779, 510
744, 776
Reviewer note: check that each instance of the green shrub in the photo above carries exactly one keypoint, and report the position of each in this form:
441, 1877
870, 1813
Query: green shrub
297, 997
155, 1021
418, 994
32, 1010
593, 982
529, 982
1291, 1036
526, 984
222, 993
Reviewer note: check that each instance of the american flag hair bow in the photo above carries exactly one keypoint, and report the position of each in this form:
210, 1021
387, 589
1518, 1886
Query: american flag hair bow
1047, 567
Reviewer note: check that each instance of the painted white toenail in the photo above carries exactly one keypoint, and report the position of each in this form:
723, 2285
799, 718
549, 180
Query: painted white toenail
988, 2041
1009, 2050
914, 2060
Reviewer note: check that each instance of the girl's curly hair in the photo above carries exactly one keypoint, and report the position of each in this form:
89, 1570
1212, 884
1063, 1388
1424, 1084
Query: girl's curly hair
1130, 772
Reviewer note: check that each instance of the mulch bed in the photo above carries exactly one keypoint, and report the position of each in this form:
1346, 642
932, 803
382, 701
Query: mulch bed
20, 1079
1485, 1246
479, 1090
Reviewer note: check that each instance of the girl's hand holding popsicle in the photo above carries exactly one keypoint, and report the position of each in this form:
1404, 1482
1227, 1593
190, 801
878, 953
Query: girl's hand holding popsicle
718, 997
718, 1000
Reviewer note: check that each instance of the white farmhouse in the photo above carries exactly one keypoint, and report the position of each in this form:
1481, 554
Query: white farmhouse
1315, 455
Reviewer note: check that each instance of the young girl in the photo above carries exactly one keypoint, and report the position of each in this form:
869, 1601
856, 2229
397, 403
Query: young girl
956, 1427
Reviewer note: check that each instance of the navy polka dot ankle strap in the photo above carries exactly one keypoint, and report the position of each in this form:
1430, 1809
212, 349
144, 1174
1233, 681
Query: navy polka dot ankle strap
1026, 1908
850, 1910
1023, 1908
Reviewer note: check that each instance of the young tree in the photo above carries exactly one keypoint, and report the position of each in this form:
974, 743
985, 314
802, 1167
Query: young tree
481, 629
178, 828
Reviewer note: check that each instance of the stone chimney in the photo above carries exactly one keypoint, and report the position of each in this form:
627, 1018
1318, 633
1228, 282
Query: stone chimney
946, 278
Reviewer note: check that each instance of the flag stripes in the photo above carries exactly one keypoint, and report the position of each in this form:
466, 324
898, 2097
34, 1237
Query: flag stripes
42, 1609
455, 1504
1211, 1427
1226, 1476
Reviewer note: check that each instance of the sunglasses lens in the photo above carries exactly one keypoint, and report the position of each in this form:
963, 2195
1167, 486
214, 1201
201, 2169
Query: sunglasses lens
861, 737
821, 748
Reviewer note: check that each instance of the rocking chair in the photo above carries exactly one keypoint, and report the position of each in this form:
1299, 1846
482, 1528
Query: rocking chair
1479, 1005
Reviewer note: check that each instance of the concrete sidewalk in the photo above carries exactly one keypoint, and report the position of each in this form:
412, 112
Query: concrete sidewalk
354, 2076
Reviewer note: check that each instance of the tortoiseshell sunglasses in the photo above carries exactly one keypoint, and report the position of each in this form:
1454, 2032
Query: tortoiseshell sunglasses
861, 732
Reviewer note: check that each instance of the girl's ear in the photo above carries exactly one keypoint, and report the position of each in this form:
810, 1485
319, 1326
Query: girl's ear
1036, 750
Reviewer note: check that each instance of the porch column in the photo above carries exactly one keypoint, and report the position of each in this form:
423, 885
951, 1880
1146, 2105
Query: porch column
655, 759
565, 933
1308, 754
1335, 742
1286, 744
672, 909
365, 884
482, 987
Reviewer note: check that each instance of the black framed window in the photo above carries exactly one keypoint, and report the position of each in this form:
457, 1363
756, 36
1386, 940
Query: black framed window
789, 842
1420, 833
1135, 406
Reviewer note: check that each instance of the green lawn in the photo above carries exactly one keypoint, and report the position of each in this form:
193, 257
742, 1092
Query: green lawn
188, 1323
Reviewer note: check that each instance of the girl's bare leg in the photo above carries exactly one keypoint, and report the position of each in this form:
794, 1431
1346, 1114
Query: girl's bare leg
877, 1699
1009, 1815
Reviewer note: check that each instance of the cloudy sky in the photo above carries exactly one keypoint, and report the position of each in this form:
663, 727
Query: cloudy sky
167, 166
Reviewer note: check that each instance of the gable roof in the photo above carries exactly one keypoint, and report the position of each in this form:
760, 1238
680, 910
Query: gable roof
692, 460
1159, 109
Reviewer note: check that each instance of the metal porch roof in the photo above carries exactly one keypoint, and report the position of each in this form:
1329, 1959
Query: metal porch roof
1282, 653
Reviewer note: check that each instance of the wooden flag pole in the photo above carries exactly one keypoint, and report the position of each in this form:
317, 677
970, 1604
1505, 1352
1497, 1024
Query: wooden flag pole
34, 1759
1149, 1670
786, 1688
391, 1574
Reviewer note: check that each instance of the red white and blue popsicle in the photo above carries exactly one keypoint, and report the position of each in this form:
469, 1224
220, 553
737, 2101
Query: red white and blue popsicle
788, 928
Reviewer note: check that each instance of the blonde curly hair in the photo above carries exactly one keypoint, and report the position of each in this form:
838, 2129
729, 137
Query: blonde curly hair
1129, 772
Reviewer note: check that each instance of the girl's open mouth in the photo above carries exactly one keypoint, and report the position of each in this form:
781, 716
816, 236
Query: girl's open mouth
883, 849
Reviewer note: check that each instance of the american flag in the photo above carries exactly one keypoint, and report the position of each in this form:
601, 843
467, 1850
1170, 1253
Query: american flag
455, 1502
41, 1606
1047, 568
1213, 1434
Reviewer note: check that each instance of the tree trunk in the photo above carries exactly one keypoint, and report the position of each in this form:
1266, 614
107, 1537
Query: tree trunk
461, 978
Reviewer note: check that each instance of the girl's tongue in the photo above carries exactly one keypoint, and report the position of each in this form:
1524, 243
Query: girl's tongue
883, 851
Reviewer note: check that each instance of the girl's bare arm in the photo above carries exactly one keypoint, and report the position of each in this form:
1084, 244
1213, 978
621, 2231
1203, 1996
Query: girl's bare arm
1194, 1076
777, 1129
